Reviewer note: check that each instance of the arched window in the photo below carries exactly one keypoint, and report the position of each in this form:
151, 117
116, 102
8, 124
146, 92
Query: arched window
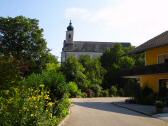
69, 36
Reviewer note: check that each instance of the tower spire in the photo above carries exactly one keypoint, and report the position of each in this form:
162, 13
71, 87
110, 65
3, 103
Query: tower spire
70, 27
69, 34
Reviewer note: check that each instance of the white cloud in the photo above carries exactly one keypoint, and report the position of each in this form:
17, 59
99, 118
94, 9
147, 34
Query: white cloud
139, 19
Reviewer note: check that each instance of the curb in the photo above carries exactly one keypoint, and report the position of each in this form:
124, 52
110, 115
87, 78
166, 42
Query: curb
147, 114
66, 118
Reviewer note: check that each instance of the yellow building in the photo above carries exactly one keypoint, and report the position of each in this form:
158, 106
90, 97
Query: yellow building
155, 72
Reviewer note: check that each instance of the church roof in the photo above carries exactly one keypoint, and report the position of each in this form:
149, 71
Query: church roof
155, 42
90, 46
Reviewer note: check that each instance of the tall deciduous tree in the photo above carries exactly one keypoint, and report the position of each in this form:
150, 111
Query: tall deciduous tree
73, 70
115, 60
22, 39
93, 69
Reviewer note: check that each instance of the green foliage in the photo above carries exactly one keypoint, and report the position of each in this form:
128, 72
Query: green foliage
113, 91
114, 60
62, 107
86, 72
90, 93
51, 58
40, 98
159, 104
9, 73
54, 81
145, 96
131, 88
139, 59
73, 90
126, 62
96, 89
105, 93
93, 74
121, 92
22, 39
111, 56
73, 70
93, 70
52, 67
26, 107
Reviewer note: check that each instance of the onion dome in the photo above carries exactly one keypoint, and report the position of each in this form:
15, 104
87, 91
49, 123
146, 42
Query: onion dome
70, 27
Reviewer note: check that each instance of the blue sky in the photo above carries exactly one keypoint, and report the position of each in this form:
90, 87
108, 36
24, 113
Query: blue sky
133, 21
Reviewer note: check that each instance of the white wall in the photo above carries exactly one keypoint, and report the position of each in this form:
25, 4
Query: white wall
77, 54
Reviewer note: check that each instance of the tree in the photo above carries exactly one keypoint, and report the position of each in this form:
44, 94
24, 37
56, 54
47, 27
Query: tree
73, 70
114, 60
111, 56
8, 72
93, 69
22, 39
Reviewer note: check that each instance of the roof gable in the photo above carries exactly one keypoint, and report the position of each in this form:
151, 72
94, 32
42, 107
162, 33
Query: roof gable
155, 42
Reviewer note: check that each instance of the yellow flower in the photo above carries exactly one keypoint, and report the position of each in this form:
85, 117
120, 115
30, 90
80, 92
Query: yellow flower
34, 98
50, 104
50, 115
46, 97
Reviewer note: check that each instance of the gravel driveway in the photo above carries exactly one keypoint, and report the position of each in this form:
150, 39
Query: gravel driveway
100, 112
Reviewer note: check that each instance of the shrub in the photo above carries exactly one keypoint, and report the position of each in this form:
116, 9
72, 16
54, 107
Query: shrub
131, 88
159, 106
26, 107
62, 107
53, 81
145, 96
90, 93
96, 89
113, 91
105, 93
120, 92
73, 90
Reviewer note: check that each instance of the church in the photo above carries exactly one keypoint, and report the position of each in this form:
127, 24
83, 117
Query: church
78, 48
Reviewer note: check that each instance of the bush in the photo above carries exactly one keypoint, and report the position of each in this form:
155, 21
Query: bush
62, 107
96, 89
53, 81
73, 90
145, 96
26, 107
159, 106
120, 92
90, 93
105, 93
131, 88
113, 91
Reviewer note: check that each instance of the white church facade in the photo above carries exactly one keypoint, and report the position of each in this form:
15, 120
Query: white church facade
78, 48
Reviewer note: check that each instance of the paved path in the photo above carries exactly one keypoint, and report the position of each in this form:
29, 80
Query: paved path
100, 112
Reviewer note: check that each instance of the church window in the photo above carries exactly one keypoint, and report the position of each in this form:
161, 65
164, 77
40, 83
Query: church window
69, 36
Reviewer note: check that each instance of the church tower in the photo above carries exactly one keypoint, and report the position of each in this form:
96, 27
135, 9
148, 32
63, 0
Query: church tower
69, 34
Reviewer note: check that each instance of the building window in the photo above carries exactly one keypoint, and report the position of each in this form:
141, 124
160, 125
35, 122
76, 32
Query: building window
163, 59
69, 36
